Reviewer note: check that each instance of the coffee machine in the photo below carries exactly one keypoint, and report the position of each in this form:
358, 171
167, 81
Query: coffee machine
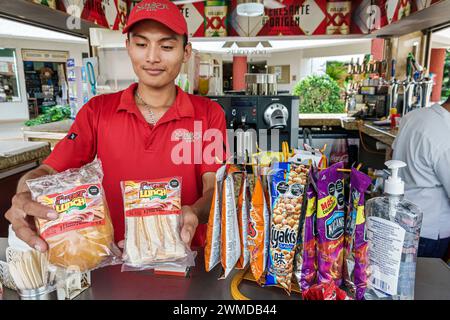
263, 121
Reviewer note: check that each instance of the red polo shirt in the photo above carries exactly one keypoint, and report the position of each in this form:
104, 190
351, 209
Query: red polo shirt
112, 128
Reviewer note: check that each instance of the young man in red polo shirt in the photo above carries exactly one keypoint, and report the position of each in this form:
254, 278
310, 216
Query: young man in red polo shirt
137, 132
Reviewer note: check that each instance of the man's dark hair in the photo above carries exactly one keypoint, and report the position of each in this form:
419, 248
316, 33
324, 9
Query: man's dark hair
185, 38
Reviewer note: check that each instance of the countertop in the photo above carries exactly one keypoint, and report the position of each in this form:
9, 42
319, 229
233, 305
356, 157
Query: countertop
14, 154
109, 283
381, 133
62, 126
53, 132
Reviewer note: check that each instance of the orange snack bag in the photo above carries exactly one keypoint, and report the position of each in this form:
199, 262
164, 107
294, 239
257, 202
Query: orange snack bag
257, 232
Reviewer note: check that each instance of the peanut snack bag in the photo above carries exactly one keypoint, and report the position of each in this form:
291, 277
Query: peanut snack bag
307, 268
212, 246
355, 254
256, 231
152, 225
230, 241
330, 224
82, 237
287, 190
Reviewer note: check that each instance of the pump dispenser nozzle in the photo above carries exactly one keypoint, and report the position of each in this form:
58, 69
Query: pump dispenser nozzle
394, 184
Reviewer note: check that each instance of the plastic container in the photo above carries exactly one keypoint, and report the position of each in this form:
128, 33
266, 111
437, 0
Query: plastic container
394, 118
42, 293
393, 230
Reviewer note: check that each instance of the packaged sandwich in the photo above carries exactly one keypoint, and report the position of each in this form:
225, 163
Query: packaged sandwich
330, 224
230, 241
287, 191
82, 238
212, 247
153, 224
355, 242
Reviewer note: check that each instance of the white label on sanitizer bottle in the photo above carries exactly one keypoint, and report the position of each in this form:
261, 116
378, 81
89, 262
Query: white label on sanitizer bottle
385, 251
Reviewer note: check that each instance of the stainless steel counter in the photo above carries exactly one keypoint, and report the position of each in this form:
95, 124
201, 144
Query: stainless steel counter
432, 282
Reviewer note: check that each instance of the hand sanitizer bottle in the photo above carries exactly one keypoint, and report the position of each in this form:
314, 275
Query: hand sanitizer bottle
393, 230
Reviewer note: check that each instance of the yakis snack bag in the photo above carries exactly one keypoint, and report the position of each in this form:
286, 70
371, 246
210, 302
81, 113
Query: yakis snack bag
307, 259
355, 246
212, 247
287, 191
330, 224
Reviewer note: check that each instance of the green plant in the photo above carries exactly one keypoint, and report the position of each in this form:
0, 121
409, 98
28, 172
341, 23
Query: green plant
337, 71
53, 114
319, 94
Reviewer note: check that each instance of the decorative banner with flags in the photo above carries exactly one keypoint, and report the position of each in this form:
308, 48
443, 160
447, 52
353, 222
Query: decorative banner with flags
110, 14
280, 18
299, 17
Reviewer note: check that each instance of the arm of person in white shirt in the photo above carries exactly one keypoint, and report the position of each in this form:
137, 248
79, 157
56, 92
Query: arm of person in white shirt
442, 170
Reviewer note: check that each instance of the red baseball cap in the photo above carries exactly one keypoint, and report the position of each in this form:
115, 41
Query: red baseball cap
162, 11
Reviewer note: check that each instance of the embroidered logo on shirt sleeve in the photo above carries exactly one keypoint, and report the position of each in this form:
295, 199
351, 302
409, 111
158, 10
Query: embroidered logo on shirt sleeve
72, 136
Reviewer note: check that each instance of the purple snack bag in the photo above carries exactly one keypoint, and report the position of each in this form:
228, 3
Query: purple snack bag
360, 182
308, 245
330, 224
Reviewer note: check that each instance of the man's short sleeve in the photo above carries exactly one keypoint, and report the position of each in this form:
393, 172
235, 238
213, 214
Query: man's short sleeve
441, 169
215, 139
79, 147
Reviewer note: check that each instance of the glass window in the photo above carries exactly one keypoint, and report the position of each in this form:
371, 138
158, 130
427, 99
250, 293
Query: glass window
9, 83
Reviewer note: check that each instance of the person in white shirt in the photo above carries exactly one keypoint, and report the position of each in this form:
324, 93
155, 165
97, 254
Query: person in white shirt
423, 143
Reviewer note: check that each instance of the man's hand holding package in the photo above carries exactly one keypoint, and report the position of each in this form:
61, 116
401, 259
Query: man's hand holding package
189, 224
22, 214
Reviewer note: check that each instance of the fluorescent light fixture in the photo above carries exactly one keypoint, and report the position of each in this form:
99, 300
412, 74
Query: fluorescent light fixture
250, 8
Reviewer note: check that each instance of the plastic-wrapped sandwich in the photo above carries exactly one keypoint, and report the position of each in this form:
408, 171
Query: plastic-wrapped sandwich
82, 237
153, 223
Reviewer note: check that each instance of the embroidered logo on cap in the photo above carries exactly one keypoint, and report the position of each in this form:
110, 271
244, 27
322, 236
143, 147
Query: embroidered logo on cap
72, 136
154, 6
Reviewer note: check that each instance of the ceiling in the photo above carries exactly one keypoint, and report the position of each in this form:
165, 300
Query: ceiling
441, 39
39, 15
435, 15
18, 30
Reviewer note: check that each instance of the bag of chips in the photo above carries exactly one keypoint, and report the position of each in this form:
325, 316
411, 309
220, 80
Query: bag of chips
306, 263
153, 224
330, 224
82, 238
243, 212
257, 231
230, 241
287, 191
212, 247
355, 242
